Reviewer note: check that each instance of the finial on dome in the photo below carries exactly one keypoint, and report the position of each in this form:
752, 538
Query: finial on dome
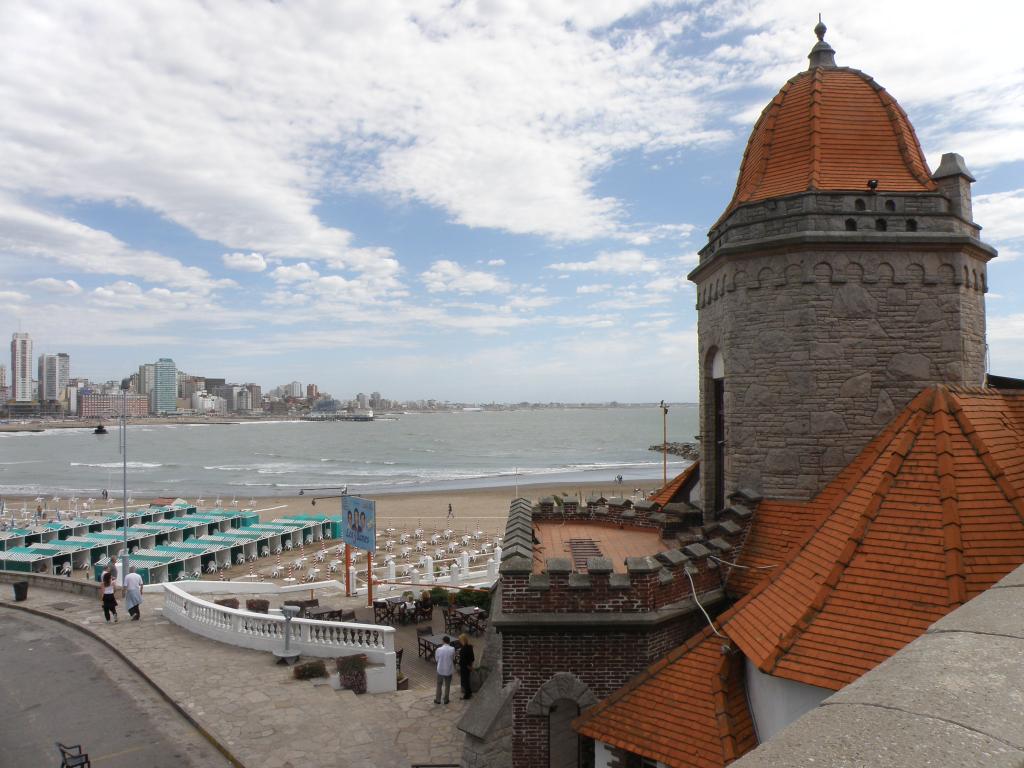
820, 29
822, 54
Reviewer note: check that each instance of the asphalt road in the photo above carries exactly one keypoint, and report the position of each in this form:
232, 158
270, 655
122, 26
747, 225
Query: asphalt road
57, 684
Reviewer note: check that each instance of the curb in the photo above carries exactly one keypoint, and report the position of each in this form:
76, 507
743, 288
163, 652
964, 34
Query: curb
135, 668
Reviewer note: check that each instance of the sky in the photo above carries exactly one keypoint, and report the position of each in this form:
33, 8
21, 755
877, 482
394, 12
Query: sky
469, 201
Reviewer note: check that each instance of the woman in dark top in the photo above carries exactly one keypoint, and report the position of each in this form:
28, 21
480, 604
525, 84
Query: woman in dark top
466, 660
108, 598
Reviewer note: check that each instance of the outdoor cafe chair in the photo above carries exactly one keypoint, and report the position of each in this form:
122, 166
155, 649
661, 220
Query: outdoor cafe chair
381, 612
73, 757
212, 567
265, 552
240, 559
452, 622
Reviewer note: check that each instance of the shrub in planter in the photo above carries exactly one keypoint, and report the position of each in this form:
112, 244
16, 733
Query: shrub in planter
310, 669
228, 602
439, 596
478, 597
352, 672
257, 605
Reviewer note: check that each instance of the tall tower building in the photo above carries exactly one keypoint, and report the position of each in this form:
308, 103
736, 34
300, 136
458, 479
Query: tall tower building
21, 368
54, 372
842, 278
144, 384
163, 398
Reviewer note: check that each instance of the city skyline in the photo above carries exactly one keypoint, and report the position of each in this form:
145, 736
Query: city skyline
482, 203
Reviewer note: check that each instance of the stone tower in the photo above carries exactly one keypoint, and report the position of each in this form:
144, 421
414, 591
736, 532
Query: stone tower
842, 279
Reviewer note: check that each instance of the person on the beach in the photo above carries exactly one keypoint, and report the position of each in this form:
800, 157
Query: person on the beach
466, 660
108, 598
451, 514
132, 593
445, 656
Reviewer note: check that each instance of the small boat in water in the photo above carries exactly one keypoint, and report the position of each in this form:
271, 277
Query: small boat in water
100, 430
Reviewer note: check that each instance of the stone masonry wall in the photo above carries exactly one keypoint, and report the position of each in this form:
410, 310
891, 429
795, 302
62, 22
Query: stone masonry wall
823, 345
604, 661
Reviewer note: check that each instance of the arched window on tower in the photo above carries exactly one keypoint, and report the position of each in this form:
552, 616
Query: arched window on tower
563, 743
717, 389
851, 225
881, 225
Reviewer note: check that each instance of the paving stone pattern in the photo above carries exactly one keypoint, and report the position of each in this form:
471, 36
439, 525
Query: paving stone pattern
264, 717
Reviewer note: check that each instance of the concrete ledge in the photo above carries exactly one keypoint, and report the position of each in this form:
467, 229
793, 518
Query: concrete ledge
60, 583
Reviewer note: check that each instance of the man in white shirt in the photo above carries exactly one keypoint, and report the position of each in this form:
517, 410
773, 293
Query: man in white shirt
445, 656
133, 593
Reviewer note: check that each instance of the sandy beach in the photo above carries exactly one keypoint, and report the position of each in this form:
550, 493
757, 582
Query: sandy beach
483, 509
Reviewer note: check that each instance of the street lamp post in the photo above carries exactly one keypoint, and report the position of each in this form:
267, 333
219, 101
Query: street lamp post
664, 443
124, 479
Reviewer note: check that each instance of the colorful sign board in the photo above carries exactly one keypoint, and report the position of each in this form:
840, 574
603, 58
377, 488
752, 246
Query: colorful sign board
360, 517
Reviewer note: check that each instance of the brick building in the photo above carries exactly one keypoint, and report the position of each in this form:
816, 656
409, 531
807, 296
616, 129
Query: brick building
858, 480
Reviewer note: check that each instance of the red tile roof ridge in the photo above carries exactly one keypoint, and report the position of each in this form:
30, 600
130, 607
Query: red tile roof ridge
1012, 494
952, 539
867, 515
664, 494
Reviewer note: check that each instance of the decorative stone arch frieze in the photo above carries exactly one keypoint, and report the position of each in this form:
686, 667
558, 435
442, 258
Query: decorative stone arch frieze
561, 685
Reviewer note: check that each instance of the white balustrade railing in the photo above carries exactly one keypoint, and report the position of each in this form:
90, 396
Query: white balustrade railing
265, 632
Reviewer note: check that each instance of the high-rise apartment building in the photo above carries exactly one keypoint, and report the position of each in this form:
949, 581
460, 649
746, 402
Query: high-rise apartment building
312, 392
3, 384
295, 389
21, 368
163, 398
147, 372
54, 372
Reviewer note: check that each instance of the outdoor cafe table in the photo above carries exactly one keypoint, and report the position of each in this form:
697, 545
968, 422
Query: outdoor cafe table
470, 616
428, 644
325, 613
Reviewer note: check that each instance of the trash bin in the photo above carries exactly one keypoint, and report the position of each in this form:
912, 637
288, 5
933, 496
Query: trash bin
20, 591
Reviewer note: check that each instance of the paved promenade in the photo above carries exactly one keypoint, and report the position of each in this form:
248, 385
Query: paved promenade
257, 711
60, 685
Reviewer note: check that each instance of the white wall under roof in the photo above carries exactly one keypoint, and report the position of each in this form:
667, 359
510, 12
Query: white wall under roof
776, 702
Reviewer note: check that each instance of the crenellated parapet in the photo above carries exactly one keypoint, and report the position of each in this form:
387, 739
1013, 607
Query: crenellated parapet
640, 514
690, 563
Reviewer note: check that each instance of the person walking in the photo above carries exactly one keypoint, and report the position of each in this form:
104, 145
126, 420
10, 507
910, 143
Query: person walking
466, 659
108, 597
132, 593
445, 657
451, 514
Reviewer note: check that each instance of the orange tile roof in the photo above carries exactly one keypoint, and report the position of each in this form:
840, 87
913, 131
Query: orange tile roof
930, 514
689, 709
922, 521
830, 128
667, 493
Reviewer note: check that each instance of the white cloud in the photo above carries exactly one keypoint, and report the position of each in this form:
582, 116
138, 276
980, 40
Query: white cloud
620, 262
1001, 213
668, 284
14, 296
245, 262
496, 263
294, 273
447, 275
53, 285
594, 288
25, 232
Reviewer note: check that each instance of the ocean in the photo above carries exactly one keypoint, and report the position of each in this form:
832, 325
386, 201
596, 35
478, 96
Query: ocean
412, 452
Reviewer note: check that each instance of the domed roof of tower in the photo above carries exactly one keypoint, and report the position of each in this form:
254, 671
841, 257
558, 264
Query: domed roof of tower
832, 129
